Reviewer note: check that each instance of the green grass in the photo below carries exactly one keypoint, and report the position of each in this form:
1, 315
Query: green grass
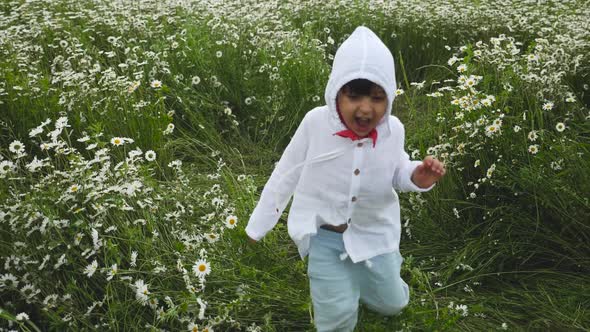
515, 253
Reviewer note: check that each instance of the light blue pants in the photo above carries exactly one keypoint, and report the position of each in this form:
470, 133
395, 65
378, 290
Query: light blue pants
337, 285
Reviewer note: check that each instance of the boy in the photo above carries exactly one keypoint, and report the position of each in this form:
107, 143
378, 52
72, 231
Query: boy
342, 165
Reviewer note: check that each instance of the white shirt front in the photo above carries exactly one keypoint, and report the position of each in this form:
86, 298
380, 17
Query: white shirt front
334, 180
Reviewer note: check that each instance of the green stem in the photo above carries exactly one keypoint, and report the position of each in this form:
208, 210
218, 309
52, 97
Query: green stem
408, 100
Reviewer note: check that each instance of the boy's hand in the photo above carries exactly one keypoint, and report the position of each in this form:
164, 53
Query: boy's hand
251, 240
427, 173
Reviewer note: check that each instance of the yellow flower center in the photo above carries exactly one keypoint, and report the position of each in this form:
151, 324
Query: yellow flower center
202, 267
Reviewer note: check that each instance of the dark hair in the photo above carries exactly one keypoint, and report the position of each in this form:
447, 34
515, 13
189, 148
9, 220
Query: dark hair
361, 87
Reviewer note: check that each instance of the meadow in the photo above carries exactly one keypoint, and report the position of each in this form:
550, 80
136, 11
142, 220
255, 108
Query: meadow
136, 137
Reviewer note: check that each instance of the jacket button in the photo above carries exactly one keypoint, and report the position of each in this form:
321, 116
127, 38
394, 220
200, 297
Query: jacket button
356, 171
349, 221
354, 198
359, 145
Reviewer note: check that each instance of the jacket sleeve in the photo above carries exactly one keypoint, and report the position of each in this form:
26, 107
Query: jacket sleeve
281, 185
402, 176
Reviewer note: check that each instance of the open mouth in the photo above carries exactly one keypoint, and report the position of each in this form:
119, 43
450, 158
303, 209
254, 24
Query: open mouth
362, 123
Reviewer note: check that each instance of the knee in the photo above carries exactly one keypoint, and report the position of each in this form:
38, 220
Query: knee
393, 305
391, 309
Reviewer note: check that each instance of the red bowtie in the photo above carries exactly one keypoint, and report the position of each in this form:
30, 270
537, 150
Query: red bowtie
353, 136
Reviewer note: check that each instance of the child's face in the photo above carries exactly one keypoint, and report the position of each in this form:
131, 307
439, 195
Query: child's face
362, 113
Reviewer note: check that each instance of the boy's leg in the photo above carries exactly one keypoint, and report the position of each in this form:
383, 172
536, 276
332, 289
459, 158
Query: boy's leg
382, 288
334, 289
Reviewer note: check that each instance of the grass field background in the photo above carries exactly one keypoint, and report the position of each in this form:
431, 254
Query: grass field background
136, 137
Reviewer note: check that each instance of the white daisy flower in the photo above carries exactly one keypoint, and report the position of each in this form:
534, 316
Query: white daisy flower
150, 155
560, 127
196, 80
175, 164
219, 54
532, 135
112, 272
231, 222
169, 129
133, 258
74, 188
399, 92
462, 68
6, 166
91, 268
557, 165
452, 60
22, 317
29, 291
50, 301
83, 139
134, 85
491, 130
61, 123
548, 106
418, 85
35, 131
463, 309
533, 149
201, 268
193, 327
77, 238
8, 281
16, 147
117, 141
212, 237
141, 291
156, 84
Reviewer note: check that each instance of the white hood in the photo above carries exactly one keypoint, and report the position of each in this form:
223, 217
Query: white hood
362, 56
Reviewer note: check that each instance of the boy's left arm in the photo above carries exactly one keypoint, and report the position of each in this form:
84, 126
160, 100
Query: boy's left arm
428, 172
414, 175
411, 175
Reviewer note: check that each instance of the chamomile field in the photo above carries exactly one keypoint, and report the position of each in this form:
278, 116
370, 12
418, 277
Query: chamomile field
136, 137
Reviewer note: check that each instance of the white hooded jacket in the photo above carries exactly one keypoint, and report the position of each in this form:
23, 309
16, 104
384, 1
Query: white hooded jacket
335, 180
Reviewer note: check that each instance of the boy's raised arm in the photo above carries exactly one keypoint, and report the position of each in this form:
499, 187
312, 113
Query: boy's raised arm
280, 186
402, 178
